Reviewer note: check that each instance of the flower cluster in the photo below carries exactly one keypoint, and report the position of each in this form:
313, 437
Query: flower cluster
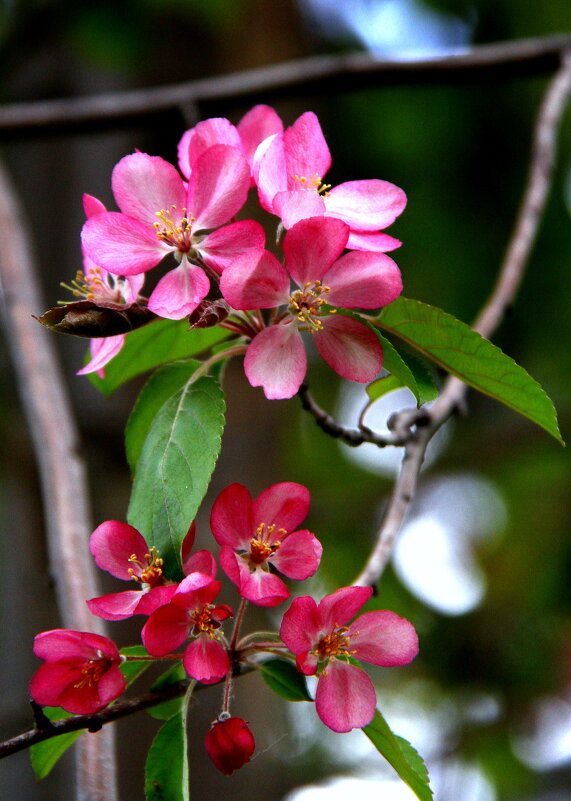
82, 671
334, 250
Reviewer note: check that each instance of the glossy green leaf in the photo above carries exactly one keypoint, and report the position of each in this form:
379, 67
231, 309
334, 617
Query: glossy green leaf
132, 670
382, 386
45, 755
462, 352
161, 386
401, 755
166, 710
174, 468
157, 343
166, 767
409, 371
285, 680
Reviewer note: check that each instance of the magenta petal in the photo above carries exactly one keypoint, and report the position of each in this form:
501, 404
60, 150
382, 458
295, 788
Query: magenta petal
102, 351
256, 280
73, 647
345, 697
301, 625
231, 518
50, 680
144, 185
285, 505
223, 247
154, 598
206, 660
298, 556
295, 205
111, 685
312, 246
117, 606
350, 348
383, 638
180, 291
307, 664
214, 131
230, 564
305, 148
112, 543
260, 587
276, 361
121, 244
255, 126
92, 206
372, 240
218, 186
366, 205
339, 607
165, 630
200, 562
360, 280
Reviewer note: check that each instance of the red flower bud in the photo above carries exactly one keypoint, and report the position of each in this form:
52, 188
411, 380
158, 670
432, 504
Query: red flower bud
230, 744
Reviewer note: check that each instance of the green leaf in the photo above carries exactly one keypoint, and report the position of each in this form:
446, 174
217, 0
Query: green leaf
132, 670
285, 680
401, 755
167, 709
461, 351
174, 468
409, 371
161, 386
382, 386
45, 755
157, 343
166, 768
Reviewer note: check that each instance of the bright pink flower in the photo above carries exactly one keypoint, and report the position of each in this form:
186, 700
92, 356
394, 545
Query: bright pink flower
276, 357
81, 671
255, 535
122, 551
160, 214
191, 612
229, 744
289, 170
324, 644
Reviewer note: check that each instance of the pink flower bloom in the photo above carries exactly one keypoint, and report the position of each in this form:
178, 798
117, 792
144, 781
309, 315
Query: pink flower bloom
259, 534
324, 644
160, 214
276, 357
122, 551
229, 744
289, 170
191, 612
81, 671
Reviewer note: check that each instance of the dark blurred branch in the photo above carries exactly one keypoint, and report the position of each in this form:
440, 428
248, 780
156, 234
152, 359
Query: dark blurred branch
55, 441
316, 74
535, 196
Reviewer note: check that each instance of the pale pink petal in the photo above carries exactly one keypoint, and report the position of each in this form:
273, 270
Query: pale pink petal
276, 361
312, 246
121, 244
231, 517
298, 556
112, 543
206, 660
102, 351
218, 186
305, 148
301, 625
117, 606
338, 608
223, 247
345, 698
295, 205
144, 185
214, 131
360, 280
383, 638
285, 505
256, 280
200, 562
270, 170
134, 284
165, 630
372, 240
255, 126
180, 291
350, 348
366, 205
92, 206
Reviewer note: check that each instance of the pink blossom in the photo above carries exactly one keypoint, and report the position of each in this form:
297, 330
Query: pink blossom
122, 551
191, 612
289, 172
229, 744
256, 535
325, 643
81, 671
276, 358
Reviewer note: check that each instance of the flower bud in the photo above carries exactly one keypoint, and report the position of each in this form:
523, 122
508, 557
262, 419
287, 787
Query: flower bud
229, 744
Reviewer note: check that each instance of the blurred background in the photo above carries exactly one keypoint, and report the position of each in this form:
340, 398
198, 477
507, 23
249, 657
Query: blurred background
483, 565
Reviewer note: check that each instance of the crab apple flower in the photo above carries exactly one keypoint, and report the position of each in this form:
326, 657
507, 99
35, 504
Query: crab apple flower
122, 551
276, 358
81, 671
229, 744
160, 214
255, 535
324, 643
191, 612
289, 169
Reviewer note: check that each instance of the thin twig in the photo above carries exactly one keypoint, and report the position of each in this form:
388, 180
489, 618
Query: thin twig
62, 471
308, 75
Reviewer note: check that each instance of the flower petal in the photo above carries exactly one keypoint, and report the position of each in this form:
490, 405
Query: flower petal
301, 625
339, 607
298, 556
295, 205
383, 638
102, 351
311, 246
218, 186
165, 630
223, 247
73, 647
200, 562
206, 660
214, 131
117, 606
270, 170
121, 244
258, 586
372, 240
180, 291
276, 361
231, 517
255, 126
305, 148
366, 205
350, 348
257, 280
345, 698
360, 280
113, 543
285, 505
144, 185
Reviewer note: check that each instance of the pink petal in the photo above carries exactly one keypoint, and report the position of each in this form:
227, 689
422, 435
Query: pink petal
117, 606
112, 543
231, 518
301, 625
223, 247
73, 647
144, 185
345, 698
218, 186
188, 542
298, 556
214, 131
258, 586
102, 351
255, 126
154, 598
276, 361
312, 246
295, 205
196, 590
305, 148
200, 562
285, 505
180, 291
360, 280
383, 638
339, 607
121, 244
92, 206
165, 630
206, 660
111, 685
134, 284
257, 280
350, 348
307, 664
50, 680
270, 170
372, 240
366, 205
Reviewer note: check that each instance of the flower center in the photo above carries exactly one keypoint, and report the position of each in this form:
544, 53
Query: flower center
261, 546
203, 622
96, 283
334, 645
314, 183
306, 304
149, 572
174, 230
91, 672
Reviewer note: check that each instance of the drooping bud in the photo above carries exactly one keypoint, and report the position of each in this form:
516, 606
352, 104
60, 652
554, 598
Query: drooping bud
229, 744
